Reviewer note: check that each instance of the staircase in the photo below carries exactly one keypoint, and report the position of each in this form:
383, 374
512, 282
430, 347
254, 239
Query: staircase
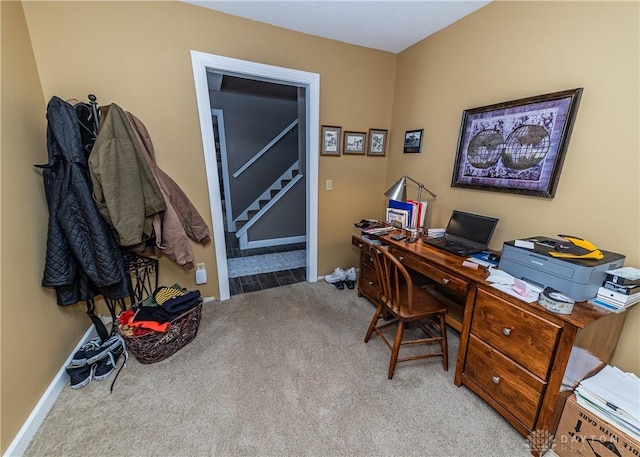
265, 201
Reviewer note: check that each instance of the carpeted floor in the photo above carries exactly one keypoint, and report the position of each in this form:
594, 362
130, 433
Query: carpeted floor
280, 372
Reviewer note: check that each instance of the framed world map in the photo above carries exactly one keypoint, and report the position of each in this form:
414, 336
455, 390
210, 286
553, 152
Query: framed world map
517, 146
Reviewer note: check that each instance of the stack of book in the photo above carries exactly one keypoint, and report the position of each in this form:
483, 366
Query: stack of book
620, 290
409, 214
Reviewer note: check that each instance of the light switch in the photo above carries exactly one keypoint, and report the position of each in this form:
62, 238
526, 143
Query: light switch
329, 184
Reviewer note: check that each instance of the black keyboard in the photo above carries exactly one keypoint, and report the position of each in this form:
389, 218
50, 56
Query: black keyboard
458, 245
455, 247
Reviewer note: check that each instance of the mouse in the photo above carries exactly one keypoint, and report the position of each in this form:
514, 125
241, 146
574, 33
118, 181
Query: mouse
494, 257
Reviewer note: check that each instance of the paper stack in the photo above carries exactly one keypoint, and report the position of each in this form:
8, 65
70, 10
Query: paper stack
620, 290
435, 232
614, 396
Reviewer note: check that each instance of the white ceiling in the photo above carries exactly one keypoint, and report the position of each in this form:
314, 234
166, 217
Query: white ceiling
390, 25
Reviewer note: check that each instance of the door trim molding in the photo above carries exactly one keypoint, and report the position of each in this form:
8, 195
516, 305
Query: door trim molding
201, 62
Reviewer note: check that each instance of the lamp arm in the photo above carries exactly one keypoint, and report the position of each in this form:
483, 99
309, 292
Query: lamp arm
420, 186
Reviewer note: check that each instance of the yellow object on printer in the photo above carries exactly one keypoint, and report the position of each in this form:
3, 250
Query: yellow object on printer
575, 248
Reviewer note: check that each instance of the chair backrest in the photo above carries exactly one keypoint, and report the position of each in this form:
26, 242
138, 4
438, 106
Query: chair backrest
394, 280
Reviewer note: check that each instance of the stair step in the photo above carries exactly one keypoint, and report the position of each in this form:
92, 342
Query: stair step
252, 213
263, 203
240, 224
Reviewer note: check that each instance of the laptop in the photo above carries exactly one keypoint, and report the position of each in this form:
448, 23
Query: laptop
465, 234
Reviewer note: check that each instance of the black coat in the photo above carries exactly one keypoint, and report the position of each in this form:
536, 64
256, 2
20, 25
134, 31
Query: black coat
83, 259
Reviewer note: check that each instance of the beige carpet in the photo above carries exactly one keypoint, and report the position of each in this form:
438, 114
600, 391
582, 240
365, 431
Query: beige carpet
280, 372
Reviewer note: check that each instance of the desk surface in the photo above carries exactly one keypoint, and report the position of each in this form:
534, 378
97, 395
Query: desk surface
583, 313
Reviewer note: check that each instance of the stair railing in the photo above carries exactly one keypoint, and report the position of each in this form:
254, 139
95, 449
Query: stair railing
263, 151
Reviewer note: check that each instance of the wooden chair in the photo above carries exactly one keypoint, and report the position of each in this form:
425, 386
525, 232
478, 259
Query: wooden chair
403, 301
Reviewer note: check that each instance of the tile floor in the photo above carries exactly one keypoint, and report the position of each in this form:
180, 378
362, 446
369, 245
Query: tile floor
255, 282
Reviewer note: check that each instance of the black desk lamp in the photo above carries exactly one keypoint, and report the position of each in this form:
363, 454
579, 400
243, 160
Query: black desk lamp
398, 191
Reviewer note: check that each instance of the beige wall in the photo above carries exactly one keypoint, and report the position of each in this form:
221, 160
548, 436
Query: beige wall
137, 55
511, 50
36, 335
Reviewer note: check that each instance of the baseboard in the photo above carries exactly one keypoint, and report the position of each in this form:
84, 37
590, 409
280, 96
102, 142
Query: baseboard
22, 440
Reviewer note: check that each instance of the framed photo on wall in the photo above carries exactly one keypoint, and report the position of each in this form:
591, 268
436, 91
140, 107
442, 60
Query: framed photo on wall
330, 140
377, 142
517, 146
354, 142
413, 141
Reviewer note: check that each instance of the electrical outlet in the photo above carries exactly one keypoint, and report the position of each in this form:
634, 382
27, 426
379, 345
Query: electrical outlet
329, 184
201, 276
200, 266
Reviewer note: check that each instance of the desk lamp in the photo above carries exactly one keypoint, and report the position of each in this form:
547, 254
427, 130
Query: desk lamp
398, 191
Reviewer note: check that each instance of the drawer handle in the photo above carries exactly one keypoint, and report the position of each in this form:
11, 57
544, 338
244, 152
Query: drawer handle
506, 331
401, 258
371, 283
495, 379
360, 245
445, 281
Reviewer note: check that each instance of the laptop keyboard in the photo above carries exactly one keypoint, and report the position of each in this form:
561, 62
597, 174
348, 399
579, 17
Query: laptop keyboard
458, 245
455, 247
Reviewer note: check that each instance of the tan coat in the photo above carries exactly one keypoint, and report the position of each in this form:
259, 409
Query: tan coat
180, 221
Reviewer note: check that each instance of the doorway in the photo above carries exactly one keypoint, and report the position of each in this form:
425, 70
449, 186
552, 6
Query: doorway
310, 82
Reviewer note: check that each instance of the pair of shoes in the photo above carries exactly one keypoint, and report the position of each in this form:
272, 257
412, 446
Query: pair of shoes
351, 277
337, 278
96, 360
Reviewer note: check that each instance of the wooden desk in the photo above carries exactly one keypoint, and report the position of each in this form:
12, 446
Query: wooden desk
517, 356
443, 268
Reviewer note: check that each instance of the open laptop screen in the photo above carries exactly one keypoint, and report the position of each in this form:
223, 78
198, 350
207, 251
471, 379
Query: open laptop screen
472, 227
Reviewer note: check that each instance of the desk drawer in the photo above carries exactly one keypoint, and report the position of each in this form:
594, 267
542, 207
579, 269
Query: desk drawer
522, 336
448, 280
360, 244
506, 382
368, 282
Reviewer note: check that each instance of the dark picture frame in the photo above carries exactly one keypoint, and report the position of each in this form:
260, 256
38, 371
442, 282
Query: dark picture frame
377, 143
354, 143
330, 140
517, 146
413, 141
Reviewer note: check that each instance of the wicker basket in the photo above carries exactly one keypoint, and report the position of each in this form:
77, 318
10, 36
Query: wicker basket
153, 347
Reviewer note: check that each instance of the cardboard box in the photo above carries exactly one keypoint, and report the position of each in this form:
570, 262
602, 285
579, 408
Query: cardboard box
582, 433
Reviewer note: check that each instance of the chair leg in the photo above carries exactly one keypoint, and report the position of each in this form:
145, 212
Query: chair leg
396, 349
373, 323
443, 344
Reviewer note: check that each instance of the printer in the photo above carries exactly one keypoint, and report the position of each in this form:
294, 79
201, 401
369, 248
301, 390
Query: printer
528, 259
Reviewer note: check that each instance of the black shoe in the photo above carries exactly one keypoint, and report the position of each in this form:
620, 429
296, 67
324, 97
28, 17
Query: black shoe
105, 366
79, 376
99, 353
80, 357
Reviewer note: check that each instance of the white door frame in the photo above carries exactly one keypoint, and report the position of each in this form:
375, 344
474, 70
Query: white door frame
201, 62
219, 115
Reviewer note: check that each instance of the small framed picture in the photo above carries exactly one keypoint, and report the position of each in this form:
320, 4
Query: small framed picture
377, 142
354, 142
413, 140
330, 138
